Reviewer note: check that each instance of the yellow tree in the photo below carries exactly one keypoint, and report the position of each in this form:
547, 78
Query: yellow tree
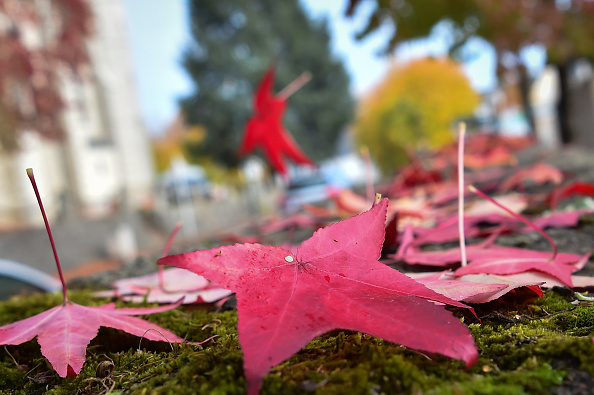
184, 142
414, 107
174, 144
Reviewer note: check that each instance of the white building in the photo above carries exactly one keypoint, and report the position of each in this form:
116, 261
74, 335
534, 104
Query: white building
105, 158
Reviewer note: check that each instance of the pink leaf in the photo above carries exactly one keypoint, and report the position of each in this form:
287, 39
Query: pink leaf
564, 219
539, 174
177, 284
574, 188
174, 279
515, 265
475, 288
64, 331
285, 300
466, 291
480, 252
493, 279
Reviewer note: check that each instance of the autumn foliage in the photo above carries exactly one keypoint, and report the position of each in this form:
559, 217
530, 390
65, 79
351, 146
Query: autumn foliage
413, 107
178, 142
33, 57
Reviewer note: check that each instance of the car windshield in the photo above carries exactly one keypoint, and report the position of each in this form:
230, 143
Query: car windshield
306, 181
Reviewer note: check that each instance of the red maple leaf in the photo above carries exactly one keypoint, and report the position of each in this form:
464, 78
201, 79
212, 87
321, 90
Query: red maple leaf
334, 280
64, 331
265, 128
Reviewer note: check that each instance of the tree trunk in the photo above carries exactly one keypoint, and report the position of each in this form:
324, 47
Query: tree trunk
576, 103
524, 85
563, 105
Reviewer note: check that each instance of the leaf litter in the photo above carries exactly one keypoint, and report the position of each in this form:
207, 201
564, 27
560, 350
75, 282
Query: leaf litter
488, 289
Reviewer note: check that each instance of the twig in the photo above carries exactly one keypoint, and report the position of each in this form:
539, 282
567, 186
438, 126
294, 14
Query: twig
159, 332
462, 236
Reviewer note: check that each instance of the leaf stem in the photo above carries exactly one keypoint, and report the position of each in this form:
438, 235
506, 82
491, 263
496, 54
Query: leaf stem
517, 216
49, 232
369, 189
462, 236
295, 85
378, 199
166, 251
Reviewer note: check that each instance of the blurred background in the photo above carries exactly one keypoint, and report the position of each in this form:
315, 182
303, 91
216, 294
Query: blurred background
131, 112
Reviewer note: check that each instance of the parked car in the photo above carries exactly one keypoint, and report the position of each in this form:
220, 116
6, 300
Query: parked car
305, 188
16, 279
184, 182
185, 190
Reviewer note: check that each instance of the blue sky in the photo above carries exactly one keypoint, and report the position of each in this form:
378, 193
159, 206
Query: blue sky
158, 33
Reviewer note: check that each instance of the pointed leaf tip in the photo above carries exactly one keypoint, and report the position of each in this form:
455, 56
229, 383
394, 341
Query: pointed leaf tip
378, 198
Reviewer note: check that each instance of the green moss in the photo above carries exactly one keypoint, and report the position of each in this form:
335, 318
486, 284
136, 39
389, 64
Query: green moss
530, 353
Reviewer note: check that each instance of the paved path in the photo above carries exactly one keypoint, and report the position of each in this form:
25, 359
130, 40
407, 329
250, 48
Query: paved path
84, 242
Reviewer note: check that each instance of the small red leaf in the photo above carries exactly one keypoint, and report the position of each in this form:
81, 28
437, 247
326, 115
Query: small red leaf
265, 129
64, 331
574, 188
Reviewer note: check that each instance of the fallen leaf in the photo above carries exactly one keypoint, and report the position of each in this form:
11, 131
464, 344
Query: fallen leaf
513, 201
563, 219
466, 291
477, 252
539, 174
285, 300
349, 202
174, 279
485, 279
412, 175
236, 238
207, 295
478, 213
391, 237
474, 225
63, 332
291, 222
546, 280
475, 288
497, 156
177, 284
582, 281
514, 265
445, 232
574, 188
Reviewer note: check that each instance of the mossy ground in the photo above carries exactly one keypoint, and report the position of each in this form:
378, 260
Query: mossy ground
531, 348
